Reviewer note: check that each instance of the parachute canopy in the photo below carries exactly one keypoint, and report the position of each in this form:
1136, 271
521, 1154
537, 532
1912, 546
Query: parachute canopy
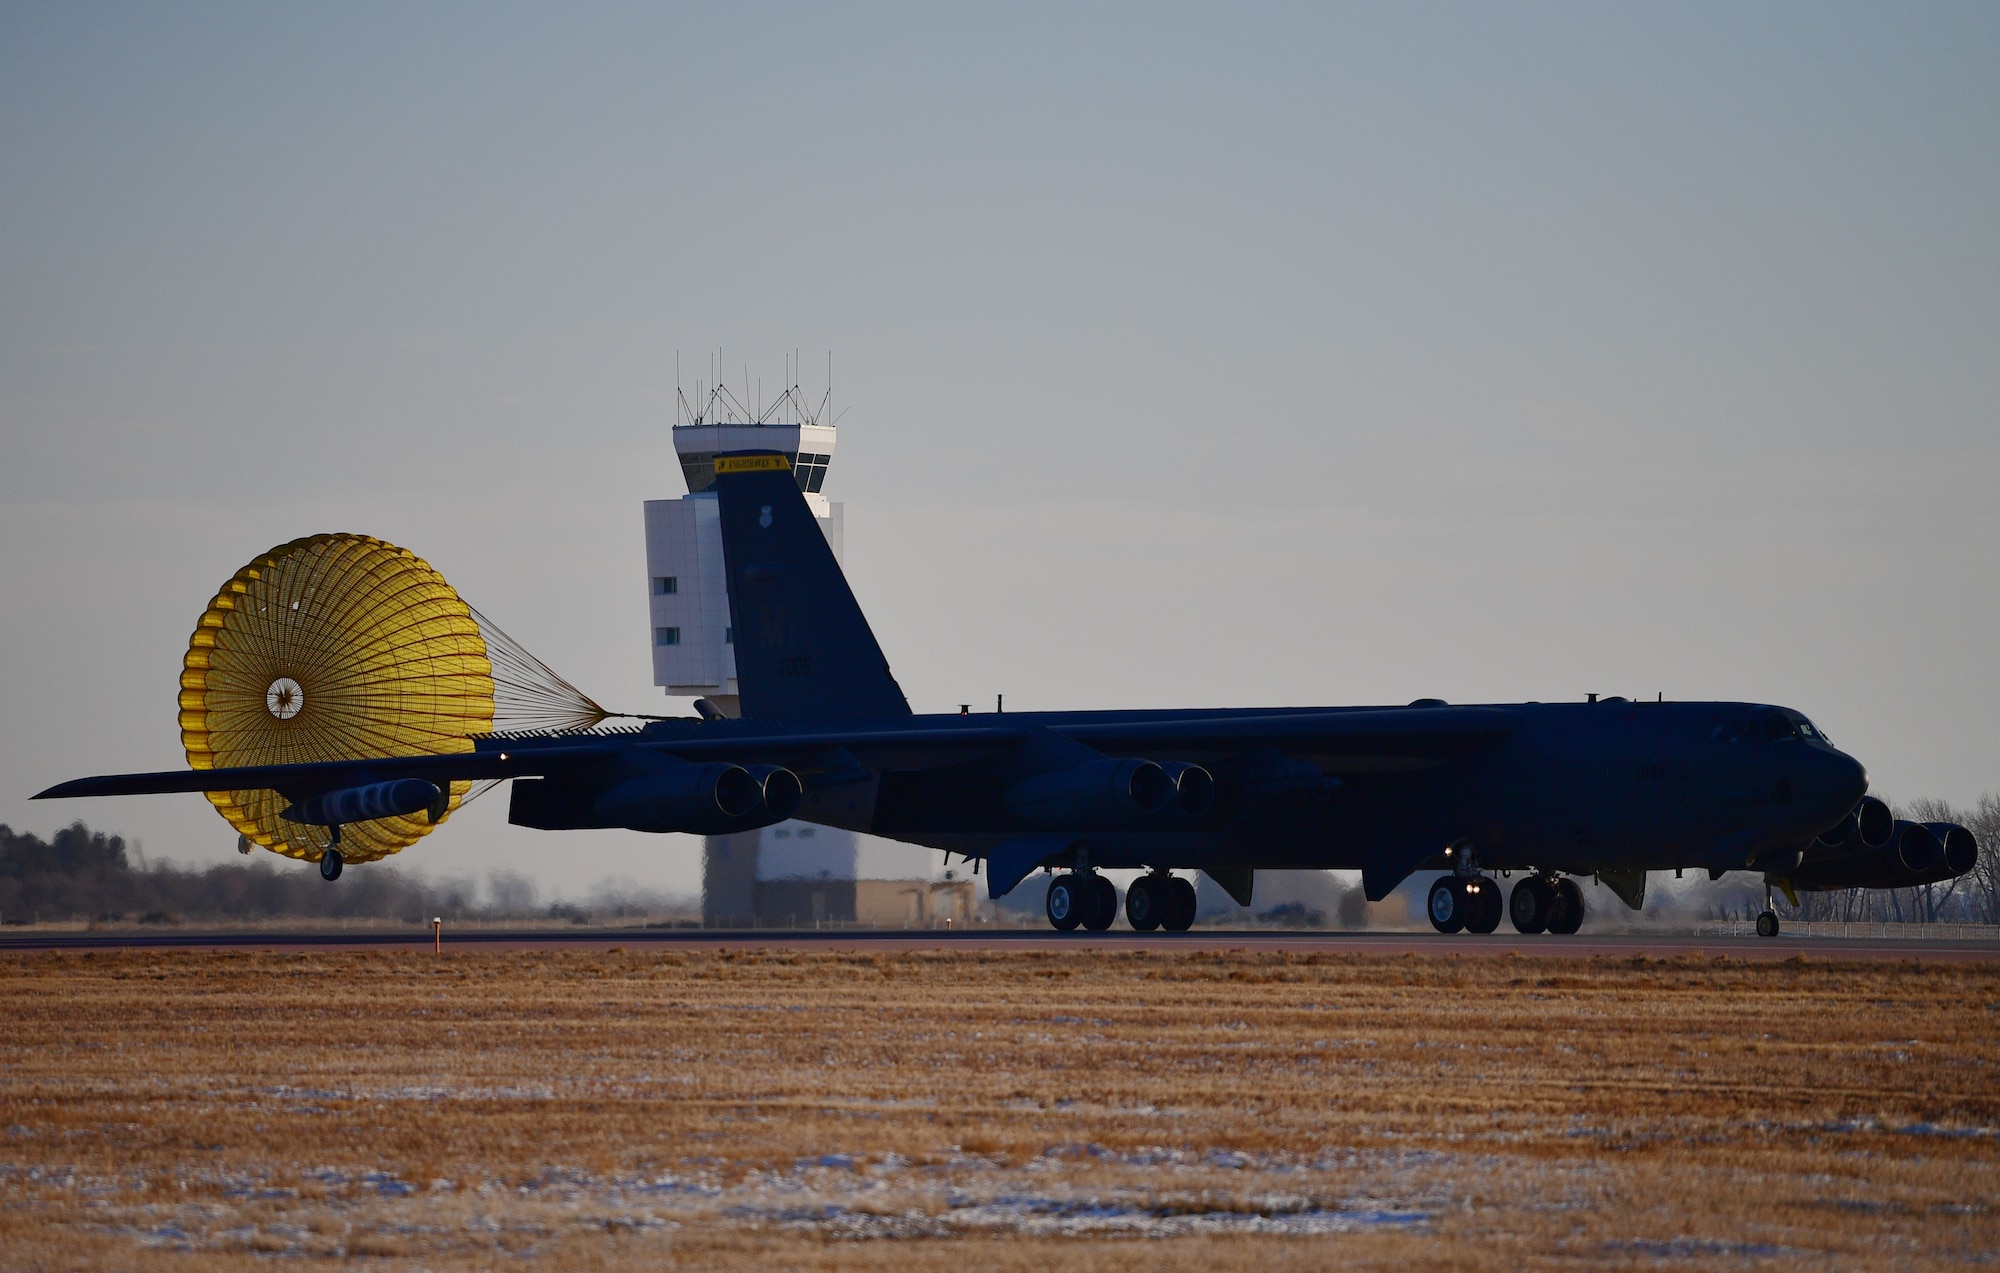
328, 648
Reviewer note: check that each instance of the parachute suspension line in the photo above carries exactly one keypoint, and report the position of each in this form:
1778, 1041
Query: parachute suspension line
531, 696
479, 788
528, 694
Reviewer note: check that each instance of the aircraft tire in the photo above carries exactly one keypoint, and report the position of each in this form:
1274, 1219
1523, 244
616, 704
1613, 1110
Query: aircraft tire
1102, 907
1145, 904
330, 863
1567, 916
1181, 905
1767, 924
1530, 905
1483, 916
1065, 902
1448, 904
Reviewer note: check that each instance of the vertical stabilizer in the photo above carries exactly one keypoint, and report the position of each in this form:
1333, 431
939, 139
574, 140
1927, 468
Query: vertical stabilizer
804, 650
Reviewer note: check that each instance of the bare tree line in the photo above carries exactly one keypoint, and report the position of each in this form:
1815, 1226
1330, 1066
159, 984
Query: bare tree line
80, 874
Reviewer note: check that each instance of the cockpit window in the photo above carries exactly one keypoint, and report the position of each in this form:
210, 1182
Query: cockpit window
1763, 727
1773, 726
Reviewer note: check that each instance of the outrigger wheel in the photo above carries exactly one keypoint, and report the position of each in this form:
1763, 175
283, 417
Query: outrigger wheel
330, 863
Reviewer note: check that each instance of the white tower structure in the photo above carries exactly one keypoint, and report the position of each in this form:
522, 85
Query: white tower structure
692, 642
792, 874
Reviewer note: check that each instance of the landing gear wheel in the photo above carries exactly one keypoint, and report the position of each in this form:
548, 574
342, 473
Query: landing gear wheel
1767, 924
1145, 903
1065, 902
1483, 916
1567, 916
1448, 904
1530, 905
1102, 905
330, 863
1178, 916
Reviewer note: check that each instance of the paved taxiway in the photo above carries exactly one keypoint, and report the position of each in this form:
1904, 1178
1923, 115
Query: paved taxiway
1584, 945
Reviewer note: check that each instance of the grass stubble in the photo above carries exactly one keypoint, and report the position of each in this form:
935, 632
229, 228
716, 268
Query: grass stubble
1033, 1110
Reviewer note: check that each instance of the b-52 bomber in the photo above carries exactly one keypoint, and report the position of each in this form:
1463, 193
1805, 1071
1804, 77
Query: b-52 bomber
1546, 792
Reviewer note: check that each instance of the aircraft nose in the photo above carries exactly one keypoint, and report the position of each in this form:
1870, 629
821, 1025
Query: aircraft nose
1847, 780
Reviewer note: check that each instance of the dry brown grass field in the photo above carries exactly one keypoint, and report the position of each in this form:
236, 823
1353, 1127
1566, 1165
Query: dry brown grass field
1039, 1110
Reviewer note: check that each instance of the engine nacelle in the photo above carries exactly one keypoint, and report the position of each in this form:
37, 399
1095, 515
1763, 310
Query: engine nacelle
698, 799
665, 795
1961, 848
1915, 853
372, 800
1194, 788
779, 789
1101, 793
1870, 825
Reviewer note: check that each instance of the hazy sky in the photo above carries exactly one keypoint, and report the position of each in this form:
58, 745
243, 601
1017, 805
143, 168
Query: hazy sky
1239, 355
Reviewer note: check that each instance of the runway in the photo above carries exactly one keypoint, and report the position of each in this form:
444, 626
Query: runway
1620, 945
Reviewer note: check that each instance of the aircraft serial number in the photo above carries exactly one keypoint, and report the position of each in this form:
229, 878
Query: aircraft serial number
800, 665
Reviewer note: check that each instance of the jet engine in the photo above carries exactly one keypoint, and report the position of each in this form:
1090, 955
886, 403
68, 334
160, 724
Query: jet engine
1100, 793
1914, 853
1961, 849
1870, 825
1194, 788
668, 795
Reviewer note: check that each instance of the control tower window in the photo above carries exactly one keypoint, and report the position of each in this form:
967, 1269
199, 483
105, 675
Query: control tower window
699, 470
666, 636
811, 471
666, 585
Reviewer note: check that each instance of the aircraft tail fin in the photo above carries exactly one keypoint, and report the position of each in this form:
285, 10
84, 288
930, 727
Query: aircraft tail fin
804, 650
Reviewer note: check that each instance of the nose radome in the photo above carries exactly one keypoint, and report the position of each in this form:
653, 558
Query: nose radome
1850, 779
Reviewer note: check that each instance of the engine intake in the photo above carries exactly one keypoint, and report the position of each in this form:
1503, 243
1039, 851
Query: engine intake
1961, 848
1869, 825
1914, 853
1194, 788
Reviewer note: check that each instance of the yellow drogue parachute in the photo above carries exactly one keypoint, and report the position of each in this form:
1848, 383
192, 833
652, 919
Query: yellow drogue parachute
341, 647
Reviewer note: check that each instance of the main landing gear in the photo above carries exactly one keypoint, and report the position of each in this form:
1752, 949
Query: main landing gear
1082, 897
1085, 899
1160, 900
1470, 903
1546, 904
1465, 903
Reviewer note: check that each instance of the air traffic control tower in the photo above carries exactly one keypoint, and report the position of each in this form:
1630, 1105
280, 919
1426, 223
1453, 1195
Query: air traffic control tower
693, 654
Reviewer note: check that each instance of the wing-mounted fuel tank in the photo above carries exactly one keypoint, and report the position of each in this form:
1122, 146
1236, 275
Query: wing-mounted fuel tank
647, 792
368, 802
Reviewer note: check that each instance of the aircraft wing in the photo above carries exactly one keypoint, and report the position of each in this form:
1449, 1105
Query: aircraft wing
328, 775
1353, 740
544, 757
